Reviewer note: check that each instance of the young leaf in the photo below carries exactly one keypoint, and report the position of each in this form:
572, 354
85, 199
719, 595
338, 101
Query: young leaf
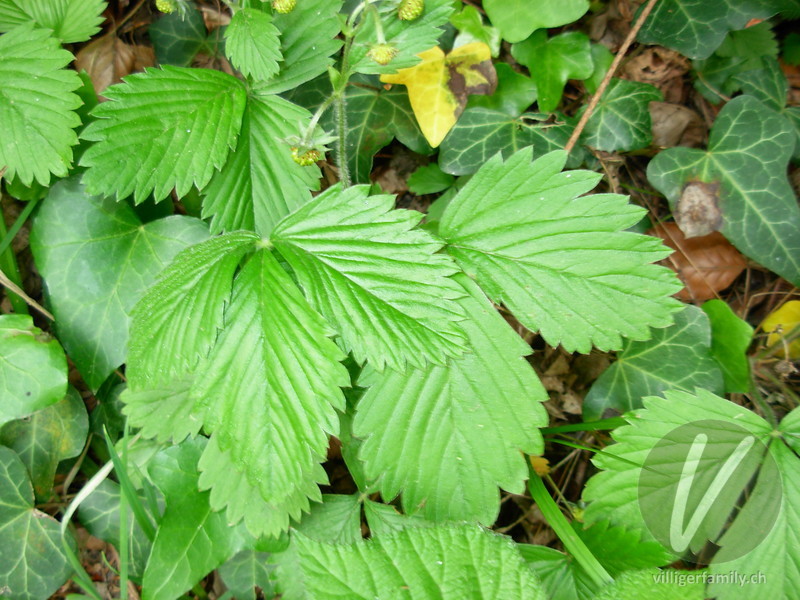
517, 19
252, 43
70, 20
453, 561
514, 93
621, 120
553, 61
162, 129
260, 183
73, 239
378, 280
32, 560
33, 368
471, 29
676, 357
429, 179
748, 152
562, 577
448, 436
730, 338
561, 262
47, 437
36, 106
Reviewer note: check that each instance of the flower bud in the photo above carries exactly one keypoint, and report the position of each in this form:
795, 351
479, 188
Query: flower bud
382, 53
283, 6
410, 9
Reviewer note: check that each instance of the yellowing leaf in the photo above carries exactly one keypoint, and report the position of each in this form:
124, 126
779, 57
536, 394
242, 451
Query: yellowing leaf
438, 86
782, 321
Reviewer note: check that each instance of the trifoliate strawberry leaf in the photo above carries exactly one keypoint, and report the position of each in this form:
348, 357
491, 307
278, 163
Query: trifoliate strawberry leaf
33, 368
385, 519
481, 133
657, 584
36, 106
162, 129
191, 539
70, 20
335, 519
676, 357
252, 44
562, 577
553, 61
696, 27
436, 433
517, 19
272, 412
379, 281
561, 262
730, 338
409, 38
455, 561
308, 39
748, 152
73, 237
33, 562
621, 549
621, 120
429, 179
260, 183
47, 437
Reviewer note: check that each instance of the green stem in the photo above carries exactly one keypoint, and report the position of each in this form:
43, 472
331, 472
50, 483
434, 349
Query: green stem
601, 425
558, 522
758, 399
8, 264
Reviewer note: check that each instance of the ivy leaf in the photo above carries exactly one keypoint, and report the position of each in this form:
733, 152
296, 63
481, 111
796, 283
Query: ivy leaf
471, 29
553, 61
32, 560
561, 262
191, 539
142, 135
73, 239
621, 121
439, 85
435, 435
517, 19
409, 37
454, 561
676, 357
378, 280
514, 93
70, 20
245, 572
481, 133
730, 338
260, 183
748, 152
47, 437
33, 368
177, 38
696, 28
308, 39
252, 43
36, 106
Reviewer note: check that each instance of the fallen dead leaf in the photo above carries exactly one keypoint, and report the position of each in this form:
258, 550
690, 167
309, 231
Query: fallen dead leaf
697, 212
108, 59
675, 125
214, 18
661, 67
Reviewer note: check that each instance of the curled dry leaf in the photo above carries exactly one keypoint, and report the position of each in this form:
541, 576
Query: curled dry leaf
697, 212
676, 125
661, 67
707, 264
108, 59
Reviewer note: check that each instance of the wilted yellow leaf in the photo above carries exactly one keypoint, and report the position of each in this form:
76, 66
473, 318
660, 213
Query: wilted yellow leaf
540, 464
780, 322
438, 86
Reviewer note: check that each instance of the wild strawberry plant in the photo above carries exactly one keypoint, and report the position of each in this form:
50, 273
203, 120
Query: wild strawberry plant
226, 346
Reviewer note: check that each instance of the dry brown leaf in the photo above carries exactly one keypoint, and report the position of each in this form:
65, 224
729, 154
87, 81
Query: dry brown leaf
214, 18
706, 265
675, 125
697, 212
108, 59
660, 67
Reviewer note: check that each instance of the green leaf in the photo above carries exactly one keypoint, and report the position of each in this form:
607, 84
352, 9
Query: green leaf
471, 29
245, 572
429, 179
767, 84
676, 357
308, 39
730, 338
748, 152
462, 561
553, 61
620, 549
561, 262
436, 435
47, 437
36, 106
408, 37
696, 28
517, 19
378, 280
621, 120
481, 133
514, 93
162, 129
562, 577
252, 44
177, 38
33, 368
385, 519
32, 560
752, 42
656, 584
335, 520
70, 20
97, 259
602, 59
191, 539
260, 183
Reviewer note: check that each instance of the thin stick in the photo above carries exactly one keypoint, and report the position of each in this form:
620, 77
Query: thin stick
5, 281
573, 139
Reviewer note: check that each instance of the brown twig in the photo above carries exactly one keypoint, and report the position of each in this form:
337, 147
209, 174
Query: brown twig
573, 139
6, 282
